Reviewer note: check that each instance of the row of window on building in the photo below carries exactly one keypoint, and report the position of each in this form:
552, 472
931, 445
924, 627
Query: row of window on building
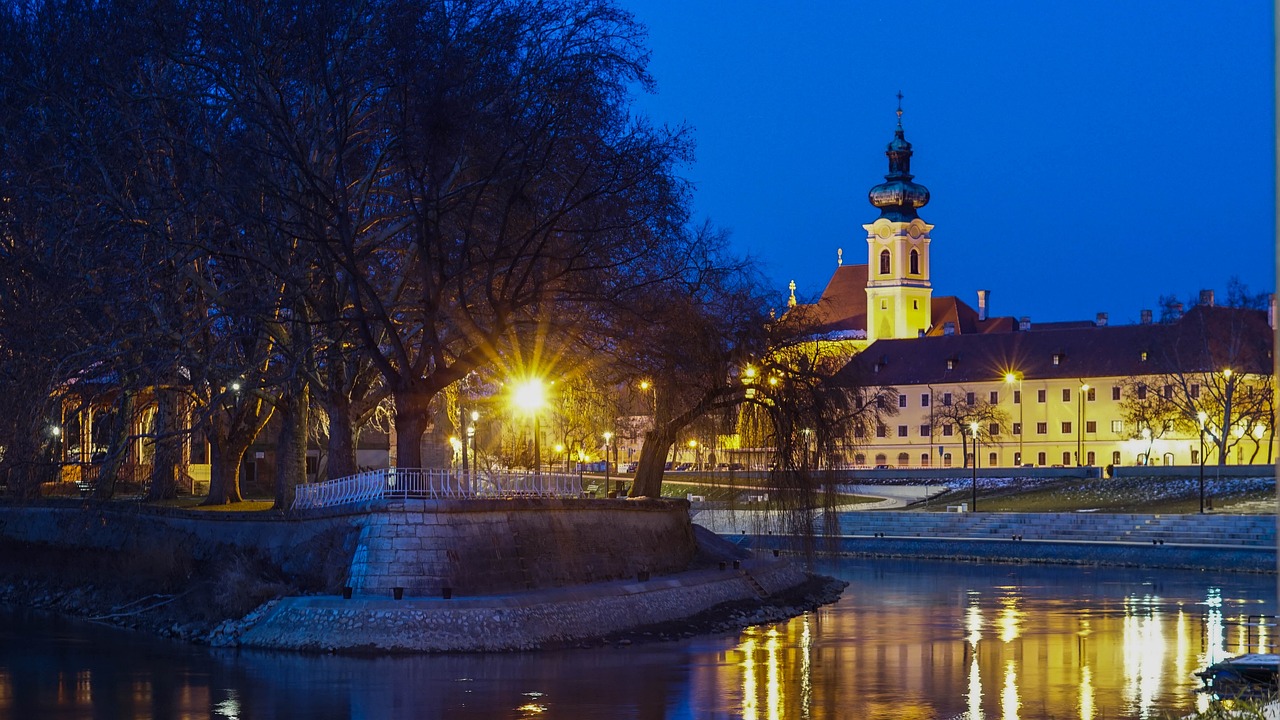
993, 429
1042, 395
993, 459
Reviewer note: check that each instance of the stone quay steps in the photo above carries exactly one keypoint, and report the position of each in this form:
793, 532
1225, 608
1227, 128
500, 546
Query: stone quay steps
1219, 530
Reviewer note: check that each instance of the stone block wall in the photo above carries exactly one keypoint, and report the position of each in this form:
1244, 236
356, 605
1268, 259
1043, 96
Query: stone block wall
479, 547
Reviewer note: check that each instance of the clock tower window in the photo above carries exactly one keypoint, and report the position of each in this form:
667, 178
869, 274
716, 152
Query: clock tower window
884, 262
915, 262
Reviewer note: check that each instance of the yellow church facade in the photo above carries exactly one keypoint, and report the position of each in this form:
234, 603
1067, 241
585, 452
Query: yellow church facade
1194, 387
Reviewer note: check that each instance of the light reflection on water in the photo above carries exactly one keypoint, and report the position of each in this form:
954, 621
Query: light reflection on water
910, 639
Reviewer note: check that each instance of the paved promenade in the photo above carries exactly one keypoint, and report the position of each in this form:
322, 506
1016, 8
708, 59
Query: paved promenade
1210, 542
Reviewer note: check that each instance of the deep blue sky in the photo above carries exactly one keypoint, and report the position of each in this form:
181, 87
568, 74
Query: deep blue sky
1082, 157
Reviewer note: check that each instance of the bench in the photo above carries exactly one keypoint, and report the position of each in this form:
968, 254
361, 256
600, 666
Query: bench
697, 498
86, 487
962, 507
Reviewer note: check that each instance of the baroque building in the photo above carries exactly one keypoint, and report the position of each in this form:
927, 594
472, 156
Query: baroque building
1195, 387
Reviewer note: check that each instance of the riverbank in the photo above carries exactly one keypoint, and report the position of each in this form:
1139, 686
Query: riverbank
280, 583
1239, 543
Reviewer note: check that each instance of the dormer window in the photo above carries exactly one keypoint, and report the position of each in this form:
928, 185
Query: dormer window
1057, 358
1144, 356
951, 363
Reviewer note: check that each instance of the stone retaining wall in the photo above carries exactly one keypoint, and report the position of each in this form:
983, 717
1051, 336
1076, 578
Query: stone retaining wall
294, 545
517, 622
478, 547
1181, 557
473, 547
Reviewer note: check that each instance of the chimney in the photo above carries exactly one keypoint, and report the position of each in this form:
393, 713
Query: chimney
984, 296
948, 328
1206, 298
1102, 320
1177, 311
1146, 317
1024, 323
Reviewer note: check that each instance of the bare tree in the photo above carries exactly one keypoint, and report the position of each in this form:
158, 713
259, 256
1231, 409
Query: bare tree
969, 418
1211, 373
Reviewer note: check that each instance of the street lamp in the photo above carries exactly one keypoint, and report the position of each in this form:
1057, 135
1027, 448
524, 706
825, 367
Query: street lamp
530, 396
607, 437
693, 445
471, 435
973, 430
806, 432
1202, 416
1011, 378
1084, 388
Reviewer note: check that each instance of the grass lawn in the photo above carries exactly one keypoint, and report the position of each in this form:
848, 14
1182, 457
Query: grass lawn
193, 503
1147, 495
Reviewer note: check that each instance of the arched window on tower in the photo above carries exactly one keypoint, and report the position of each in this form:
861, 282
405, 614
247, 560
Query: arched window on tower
915, 262
884, 262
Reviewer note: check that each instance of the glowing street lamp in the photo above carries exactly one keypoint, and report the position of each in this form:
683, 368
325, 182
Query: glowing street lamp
973, 430
1202, 416
530, 396
1084, 388
1011, 378
471, 436
693, 445
607, 437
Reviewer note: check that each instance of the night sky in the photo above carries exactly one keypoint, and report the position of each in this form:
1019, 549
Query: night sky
1082, 157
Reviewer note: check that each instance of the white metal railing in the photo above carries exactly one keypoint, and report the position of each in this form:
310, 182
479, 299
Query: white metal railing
434, 484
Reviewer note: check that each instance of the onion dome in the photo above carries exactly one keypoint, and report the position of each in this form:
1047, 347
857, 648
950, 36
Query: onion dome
898, 198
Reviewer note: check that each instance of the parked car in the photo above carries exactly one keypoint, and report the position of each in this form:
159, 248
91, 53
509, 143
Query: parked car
884, 467
629, 467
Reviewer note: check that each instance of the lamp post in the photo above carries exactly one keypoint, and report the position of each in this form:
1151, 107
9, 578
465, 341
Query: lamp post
530, 396
1202, 416
464, 437
1011, 378
693, 445
607, 437
806, 432
973, 430
471, 435
1084, 388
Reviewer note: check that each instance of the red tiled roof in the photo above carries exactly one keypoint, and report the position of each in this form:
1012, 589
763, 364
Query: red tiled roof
843, 305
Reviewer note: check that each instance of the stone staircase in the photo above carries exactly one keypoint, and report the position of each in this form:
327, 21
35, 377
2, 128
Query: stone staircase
1205, 530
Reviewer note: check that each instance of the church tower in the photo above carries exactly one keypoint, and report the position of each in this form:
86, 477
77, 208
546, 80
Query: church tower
898, 287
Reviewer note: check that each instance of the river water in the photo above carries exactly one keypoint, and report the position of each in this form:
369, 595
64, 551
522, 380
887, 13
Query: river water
908, 640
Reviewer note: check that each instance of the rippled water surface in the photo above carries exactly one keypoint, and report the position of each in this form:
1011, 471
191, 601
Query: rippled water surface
909, 639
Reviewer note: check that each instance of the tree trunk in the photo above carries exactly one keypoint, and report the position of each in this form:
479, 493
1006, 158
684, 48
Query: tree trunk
653, 456
341, 448
291, 447
168, 448
118, 447
28, 464
224, 470
411, 423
